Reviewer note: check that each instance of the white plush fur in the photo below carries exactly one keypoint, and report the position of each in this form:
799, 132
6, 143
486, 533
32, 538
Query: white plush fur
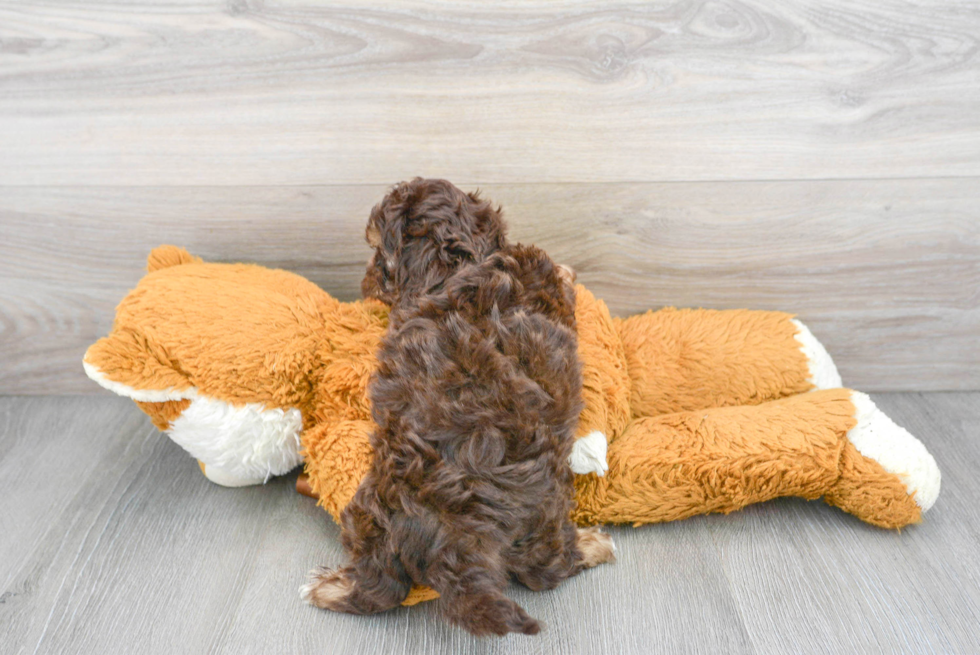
823, 372
247, 441
227, 479
589, 454
878, 437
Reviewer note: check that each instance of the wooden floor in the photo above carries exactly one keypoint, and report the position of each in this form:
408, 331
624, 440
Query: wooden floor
113, 542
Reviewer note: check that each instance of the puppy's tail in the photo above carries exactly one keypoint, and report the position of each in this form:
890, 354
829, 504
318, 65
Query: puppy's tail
467, 570
491, 614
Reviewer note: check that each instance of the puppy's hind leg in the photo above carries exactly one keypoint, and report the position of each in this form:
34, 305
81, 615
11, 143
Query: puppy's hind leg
363, 588
471, 580
559, 553
375, 580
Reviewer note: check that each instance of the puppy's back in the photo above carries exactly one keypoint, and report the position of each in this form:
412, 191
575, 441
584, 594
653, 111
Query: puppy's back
494, 351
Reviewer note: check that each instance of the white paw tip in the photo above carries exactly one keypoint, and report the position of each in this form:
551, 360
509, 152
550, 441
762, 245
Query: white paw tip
589, 454
878, 437
306, 591
823, 372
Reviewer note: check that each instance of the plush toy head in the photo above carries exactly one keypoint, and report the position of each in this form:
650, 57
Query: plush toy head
235, 361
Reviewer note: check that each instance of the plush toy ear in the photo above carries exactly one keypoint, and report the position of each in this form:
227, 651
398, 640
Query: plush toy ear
127, 364
167, 256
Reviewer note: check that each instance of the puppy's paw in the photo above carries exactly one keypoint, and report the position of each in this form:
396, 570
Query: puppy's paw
327, 589
596, 547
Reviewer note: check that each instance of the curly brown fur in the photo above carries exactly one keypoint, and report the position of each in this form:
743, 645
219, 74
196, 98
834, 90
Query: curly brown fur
476, 398
422, 232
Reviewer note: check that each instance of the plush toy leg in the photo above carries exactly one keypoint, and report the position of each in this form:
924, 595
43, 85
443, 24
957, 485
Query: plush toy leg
690, 359
719, 460
338, 457
876, 452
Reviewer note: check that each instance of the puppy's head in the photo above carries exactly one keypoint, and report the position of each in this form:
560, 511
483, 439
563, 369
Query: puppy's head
422, 232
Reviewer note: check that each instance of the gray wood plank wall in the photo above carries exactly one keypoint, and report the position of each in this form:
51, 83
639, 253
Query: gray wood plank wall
823, 160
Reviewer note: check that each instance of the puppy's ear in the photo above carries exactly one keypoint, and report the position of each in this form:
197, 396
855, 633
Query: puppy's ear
373, 234
489, 228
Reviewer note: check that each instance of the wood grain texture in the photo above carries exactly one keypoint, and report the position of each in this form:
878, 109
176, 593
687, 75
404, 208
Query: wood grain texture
295, 92
886, 273
118, 544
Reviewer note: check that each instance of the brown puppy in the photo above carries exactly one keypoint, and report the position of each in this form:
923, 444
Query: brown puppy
476, 399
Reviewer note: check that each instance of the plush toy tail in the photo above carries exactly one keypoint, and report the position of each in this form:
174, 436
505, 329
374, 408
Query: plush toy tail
167, 256
683, 360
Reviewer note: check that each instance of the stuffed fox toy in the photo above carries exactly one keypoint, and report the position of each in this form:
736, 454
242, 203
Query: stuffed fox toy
254, 371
